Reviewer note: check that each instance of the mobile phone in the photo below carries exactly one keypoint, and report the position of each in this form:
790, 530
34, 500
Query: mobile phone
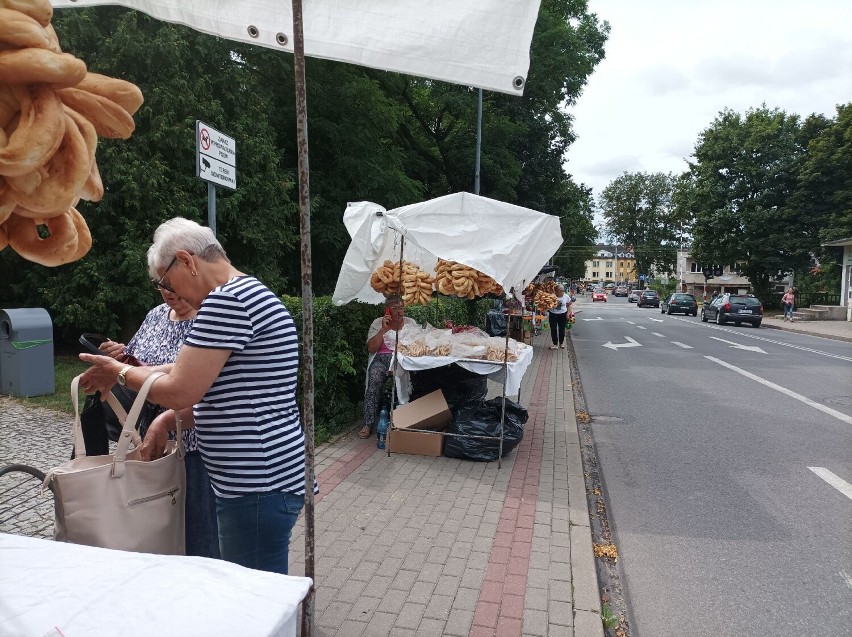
387, 311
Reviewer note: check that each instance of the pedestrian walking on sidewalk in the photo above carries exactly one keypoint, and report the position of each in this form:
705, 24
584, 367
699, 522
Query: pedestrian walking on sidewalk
788, 303
558, 317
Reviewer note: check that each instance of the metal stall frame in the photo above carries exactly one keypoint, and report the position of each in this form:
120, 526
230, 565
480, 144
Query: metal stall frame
505, 365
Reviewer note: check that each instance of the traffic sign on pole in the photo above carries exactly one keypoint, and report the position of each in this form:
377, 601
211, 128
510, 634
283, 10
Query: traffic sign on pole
216, 156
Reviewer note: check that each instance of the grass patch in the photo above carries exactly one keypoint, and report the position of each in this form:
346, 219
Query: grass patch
65, 368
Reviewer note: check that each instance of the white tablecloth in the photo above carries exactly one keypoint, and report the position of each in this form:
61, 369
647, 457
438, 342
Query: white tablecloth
56, 589
514, 371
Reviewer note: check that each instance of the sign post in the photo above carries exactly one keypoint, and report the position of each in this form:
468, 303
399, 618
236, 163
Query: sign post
215, 163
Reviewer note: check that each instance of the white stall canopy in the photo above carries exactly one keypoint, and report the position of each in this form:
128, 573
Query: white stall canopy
485, 43
507, 242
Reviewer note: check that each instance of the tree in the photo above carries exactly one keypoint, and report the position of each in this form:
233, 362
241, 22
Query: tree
741, 181
578, 233
639, 213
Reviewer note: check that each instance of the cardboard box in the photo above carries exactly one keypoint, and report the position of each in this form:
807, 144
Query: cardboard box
522, 336
429, 412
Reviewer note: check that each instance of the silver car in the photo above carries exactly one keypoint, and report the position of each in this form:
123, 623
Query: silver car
633, 297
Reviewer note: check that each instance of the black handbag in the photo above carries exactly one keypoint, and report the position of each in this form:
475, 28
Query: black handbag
98, 416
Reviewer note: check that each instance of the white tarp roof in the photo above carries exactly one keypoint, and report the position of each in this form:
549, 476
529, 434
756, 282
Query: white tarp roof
504, 241
481, 43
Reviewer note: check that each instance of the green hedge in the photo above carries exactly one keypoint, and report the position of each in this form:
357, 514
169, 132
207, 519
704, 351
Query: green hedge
340, 352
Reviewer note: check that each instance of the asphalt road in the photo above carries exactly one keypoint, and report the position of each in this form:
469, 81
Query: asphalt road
726, 459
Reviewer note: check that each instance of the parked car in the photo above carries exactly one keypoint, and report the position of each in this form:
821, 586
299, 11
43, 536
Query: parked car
598, 295
620, 291
739, 308
648, 298
633, 296
679, 302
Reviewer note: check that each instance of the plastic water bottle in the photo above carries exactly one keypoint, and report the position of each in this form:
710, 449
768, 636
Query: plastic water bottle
382, 428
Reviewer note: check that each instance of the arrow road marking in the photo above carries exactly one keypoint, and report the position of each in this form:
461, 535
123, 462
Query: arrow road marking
641, 328
630, 343
845, 576
683, 345
789, 392
838, 483
631, 322
594, 319
658, 334
656, 320
750, 348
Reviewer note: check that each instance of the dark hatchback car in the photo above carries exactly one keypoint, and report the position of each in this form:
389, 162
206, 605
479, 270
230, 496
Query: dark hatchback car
736, 308
679, 302
648, 298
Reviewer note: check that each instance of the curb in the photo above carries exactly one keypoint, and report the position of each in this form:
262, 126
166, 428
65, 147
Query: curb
834, 337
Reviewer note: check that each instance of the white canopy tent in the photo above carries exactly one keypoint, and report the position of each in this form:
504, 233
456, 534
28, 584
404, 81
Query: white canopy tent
485, 44
507, 242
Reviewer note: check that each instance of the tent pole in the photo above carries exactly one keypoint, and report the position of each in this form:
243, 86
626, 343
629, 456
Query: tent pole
308, 604
478, 142
394, 361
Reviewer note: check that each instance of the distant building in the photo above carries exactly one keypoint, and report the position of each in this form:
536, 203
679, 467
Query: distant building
611, 266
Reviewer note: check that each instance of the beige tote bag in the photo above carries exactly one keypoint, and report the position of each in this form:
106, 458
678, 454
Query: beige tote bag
118, 501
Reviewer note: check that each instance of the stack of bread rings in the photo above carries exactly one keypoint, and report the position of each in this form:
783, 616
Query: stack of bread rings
456, 279
51, 113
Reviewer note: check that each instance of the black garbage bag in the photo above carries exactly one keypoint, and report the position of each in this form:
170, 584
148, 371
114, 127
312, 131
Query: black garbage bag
483, 419
495, 323
459, 385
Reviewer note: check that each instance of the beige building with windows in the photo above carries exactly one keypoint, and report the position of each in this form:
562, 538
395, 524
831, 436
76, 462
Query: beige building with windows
610, 265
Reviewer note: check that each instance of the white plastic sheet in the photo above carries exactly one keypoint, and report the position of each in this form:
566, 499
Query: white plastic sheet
507, 242
52, 588
485, 43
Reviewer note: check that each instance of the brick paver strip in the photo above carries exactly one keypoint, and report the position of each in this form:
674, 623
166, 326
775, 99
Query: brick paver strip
344, 466
501, 598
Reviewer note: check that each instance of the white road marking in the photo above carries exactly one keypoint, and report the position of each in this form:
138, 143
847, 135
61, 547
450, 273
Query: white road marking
846, 578
683, 345
641, 328
838, 483
658, 334
656, 320
631, 322
594, 319
784, 390
750, 348
630, 343
769, 340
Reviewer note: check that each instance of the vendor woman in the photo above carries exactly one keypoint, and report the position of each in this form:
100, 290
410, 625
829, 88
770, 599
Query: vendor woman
558, 317
380, 359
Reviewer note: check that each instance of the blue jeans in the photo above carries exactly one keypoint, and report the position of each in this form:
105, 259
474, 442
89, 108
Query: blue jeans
255, 529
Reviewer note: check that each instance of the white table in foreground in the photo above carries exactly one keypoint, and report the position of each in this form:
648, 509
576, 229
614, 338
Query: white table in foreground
56, 589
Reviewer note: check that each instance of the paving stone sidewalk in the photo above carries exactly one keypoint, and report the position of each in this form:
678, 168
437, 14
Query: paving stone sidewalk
414, 545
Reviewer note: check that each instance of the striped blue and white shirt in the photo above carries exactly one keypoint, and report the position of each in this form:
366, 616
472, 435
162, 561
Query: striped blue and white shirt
249, 429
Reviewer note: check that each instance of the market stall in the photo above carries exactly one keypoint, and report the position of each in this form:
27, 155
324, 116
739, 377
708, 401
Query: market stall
472, 245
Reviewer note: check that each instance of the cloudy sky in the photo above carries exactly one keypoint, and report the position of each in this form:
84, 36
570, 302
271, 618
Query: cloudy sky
672, 65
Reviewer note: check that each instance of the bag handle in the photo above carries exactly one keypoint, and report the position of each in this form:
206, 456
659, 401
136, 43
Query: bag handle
128, 433
86, 341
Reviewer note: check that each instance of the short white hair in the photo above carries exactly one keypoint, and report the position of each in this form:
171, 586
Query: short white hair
182, 234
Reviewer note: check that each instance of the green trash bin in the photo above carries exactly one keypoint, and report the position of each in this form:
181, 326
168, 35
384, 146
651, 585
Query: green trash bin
26, 352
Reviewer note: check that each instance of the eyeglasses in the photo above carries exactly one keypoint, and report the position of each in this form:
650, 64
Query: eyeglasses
159, 284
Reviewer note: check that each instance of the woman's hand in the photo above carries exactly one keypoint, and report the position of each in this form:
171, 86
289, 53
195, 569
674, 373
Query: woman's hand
113, 349
157, 436
102, 374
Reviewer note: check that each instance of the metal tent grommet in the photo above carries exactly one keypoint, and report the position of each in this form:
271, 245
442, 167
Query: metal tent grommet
253, 31
281, 39
518, 82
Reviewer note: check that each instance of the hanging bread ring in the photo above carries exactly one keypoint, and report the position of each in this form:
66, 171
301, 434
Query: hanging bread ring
4, 240
36, 133
40, 66
8, 201
93, 189
84, 237
39, 10
66, 172
22, 31
57, 249
125, 94
108, 118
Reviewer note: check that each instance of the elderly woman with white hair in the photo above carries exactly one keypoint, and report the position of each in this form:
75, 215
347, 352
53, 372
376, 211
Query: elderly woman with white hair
235, 381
